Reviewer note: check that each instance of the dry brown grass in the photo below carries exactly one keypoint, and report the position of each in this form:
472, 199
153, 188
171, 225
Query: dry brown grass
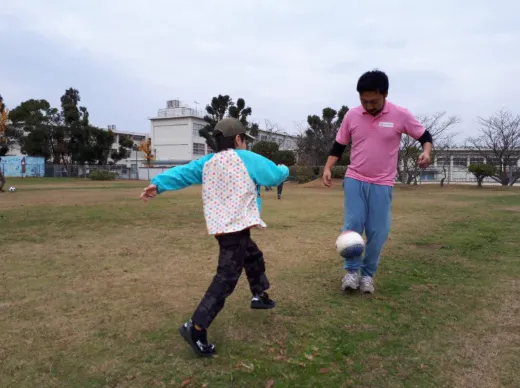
93, 284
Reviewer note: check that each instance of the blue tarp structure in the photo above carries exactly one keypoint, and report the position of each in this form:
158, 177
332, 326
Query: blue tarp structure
12, 166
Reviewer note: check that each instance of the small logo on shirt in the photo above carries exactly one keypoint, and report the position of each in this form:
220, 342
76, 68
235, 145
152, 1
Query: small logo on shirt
386, 124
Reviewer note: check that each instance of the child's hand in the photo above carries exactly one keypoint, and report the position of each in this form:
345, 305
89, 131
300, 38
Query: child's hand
149, 193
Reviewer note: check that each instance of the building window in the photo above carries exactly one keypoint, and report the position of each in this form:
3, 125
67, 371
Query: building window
199, 149
476, 160
494, 162
460, 162
197, 128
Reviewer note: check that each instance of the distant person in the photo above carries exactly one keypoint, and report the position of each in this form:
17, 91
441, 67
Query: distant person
375, 130
230, 179
279, 189
22, 163
2, 178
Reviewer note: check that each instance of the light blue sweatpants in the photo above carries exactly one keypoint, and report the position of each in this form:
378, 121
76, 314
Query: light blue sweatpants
368, 209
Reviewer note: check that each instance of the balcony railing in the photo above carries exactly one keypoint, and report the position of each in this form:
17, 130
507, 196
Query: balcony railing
180, 112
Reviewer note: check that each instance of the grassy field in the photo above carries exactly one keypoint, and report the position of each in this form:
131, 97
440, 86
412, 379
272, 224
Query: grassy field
94, 284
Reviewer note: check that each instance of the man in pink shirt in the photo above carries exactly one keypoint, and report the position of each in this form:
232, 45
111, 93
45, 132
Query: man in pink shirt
375, 129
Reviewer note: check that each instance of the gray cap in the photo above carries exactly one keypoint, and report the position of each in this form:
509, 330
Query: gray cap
230, 126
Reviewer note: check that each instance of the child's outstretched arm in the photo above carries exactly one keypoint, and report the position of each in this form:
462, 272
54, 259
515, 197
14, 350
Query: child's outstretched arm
262, 170
176, 178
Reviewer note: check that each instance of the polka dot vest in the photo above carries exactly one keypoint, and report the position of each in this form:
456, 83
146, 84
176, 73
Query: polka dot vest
229, 195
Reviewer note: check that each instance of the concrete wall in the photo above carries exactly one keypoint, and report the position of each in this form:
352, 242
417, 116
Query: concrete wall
178, 138
172, 138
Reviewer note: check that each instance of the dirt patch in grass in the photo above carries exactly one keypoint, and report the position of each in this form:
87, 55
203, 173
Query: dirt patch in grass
515, 209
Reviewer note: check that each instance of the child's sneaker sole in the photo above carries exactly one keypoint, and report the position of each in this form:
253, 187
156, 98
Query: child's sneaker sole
263, 306
185, 333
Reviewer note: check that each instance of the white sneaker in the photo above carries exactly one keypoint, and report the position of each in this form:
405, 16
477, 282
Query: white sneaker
366, 285
350, 281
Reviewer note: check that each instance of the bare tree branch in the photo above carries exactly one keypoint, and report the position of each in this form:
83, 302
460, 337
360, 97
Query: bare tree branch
440, 128
499, 144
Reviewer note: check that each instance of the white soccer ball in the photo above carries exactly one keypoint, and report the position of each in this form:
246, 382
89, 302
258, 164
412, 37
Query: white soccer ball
12, 189
350, 244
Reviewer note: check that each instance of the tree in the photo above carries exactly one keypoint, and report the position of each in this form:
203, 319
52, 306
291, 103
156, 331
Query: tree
64, 136
315, 141
126, 145
100, 144
38, 128
7, 133
146, 148
481, 171
442, 152
80, 137
499, 144
272, 132
221, 107
266, 148
284, 157
440, 128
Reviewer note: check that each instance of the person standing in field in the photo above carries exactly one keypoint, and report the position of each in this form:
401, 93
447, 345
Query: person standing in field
230, 179
374, 128
2, 178
279, 190
23, 165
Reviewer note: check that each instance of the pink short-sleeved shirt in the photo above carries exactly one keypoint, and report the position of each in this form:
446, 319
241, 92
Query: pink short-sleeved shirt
376, 140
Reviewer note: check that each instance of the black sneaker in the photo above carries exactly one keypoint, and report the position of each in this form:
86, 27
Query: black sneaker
262, 302
197, 339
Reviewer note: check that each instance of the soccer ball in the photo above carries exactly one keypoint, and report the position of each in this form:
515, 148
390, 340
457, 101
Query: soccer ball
12, 189
350, 244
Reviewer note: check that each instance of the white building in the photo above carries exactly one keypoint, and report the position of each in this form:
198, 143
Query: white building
137, 138
175, 134
453, 165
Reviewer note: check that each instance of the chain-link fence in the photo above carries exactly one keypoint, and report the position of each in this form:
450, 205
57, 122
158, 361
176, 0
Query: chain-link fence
433, 174
29, 170
75, 171
67, 171
454, 175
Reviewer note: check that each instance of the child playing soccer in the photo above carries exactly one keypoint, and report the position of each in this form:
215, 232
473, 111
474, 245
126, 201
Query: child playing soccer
232, 207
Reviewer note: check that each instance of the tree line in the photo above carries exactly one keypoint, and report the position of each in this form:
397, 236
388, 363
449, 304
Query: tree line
65, 136
497, 141
61, 135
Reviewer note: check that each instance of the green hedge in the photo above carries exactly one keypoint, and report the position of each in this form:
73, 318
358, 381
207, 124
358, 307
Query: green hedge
101, 175
338, 172
304, 174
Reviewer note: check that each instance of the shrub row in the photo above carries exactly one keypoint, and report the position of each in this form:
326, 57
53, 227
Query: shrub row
304, 174
101, 175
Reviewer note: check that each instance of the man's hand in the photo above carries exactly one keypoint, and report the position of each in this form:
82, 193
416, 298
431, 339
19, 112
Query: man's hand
149, 193
424, 159
327, 177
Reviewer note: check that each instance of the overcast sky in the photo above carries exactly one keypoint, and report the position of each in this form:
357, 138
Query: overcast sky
286, 58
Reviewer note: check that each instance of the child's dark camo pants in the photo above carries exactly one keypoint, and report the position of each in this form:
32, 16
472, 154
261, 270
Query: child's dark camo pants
237, 252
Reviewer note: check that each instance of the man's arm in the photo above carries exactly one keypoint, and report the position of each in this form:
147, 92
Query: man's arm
413, 128
426, 141
335, 154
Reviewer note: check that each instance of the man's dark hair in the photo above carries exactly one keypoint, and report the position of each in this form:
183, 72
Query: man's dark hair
373, 81
226, 143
